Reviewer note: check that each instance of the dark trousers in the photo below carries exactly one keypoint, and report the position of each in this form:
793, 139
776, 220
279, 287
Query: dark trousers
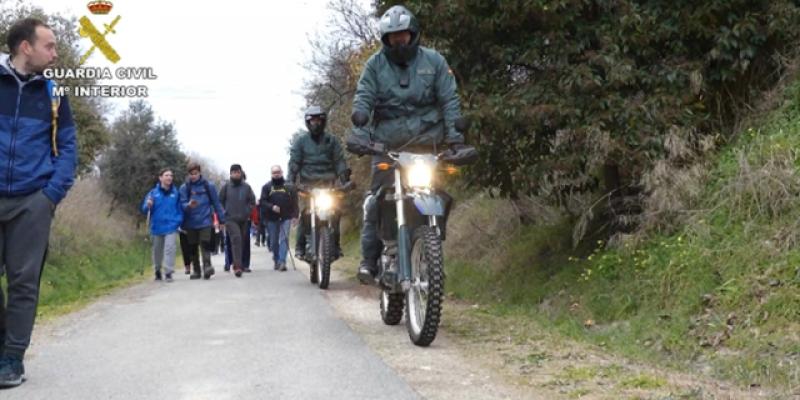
262, 234
200, 243
245, 250
185, 249
371, 245
24, 233
238, 231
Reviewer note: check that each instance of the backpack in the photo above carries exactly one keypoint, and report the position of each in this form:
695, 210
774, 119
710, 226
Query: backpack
188, 184
55, 103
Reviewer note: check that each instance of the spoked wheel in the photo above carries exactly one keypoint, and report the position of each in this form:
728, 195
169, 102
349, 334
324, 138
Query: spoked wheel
391, 307
325, 255
424, 298
312, 263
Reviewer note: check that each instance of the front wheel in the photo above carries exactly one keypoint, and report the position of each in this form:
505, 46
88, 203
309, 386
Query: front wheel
324, 257
391, 307
424, 298
313, 264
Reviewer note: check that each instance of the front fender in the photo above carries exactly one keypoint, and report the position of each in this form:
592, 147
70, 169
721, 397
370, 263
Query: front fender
429, 204
325, 215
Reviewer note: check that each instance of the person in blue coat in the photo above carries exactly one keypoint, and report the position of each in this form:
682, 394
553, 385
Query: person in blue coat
199, 201
38, 155
163, 204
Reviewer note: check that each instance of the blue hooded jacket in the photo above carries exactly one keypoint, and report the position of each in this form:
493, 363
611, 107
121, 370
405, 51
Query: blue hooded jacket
167, 215
205, 194
27, 162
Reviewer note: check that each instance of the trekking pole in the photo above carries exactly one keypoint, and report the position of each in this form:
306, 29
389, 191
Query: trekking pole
146, 239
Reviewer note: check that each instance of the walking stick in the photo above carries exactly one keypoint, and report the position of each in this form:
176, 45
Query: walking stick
146, 239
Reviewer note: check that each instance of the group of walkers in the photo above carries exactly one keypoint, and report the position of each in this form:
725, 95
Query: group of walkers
200, 218
406, 99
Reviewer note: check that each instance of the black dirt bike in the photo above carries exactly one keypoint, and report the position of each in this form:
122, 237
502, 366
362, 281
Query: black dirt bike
412, 226
320, 246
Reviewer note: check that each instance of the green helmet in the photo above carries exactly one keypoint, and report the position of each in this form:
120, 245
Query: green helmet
398, 19
315, 129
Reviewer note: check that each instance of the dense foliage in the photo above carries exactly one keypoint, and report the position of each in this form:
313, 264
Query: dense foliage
572, 96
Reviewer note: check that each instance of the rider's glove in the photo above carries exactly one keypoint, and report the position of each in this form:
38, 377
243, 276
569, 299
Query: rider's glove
344, 177
359, 118
455, 147
363, 146
461, 154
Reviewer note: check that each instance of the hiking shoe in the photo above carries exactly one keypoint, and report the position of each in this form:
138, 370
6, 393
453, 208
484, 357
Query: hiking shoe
188, 269
158, 275
168, 277
194, 276
366, 273
12, 372
207, 272
237, 271
283, 267
247, 270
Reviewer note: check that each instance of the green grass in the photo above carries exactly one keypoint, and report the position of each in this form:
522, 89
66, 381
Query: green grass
71, 281
720, 294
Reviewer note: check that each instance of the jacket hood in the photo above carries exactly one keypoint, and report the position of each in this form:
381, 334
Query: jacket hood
4, 60
5, 68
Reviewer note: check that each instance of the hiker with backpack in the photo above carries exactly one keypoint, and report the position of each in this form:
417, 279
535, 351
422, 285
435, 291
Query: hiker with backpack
164, 207
237, 198
199, 201
278, 203
39, 152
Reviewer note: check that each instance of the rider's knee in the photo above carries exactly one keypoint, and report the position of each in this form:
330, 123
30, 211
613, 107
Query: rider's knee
370, 209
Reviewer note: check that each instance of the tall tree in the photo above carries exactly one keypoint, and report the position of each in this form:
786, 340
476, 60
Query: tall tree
140, 147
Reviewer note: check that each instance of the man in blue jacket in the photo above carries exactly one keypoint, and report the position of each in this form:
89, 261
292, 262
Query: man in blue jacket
38, 157
199, 200
163, 203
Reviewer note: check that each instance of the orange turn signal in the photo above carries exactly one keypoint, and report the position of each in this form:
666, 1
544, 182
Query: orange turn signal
451, 170
383, 166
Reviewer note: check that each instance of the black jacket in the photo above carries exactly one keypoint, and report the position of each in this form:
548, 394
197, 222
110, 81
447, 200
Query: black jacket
284, 196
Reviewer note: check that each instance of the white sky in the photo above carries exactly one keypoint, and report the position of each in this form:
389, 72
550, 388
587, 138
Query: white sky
230, 74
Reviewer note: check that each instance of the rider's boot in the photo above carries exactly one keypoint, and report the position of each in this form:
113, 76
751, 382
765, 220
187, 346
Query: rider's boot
366, 272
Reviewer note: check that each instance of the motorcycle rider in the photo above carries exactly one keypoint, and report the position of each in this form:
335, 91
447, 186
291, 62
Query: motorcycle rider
410, 94
316, 158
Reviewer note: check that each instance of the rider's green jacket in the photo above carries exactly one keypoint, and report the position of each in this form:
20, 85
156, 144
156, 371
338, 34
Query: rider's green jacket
311, 160
410, 107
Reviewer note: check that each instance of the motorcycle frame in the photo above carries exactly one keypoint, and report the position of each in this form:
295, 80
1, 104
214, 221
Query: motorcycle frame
426, 204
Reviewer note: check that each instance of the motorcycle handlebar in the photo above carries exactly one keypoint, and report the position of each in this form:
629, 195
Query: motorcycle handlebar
344, 188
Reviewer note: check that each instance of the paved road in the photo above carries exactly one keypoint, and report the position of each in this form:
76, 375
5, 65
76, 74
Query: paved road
268, 335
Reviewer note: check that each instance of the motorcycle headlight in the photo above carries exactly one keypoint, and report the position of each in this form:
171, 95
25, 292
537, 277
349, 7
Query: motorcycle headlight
324, 201
420, 175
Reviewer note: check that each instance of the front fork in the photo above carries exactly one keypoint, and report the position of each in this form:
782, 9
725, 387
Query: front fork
403, 245
313, 217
